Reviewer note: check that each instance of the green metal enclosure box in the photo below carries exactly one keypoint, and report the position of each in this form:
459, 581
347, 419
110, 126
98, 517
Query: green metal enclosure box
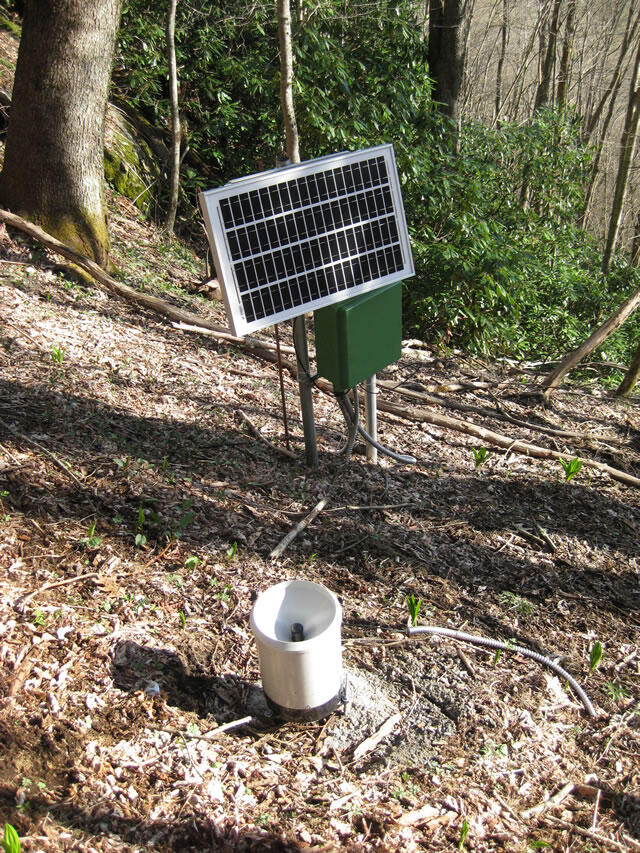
360, 336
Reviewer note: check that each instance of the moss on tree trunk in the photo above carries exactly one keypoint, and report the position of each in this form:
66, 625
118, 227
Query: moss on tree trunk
53, 170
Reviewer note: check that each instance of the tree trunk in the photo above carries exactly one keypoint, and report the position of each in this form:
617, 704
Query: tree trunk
286, 82
631, 376
628, 147
53, 170
567, 51
599, 336
174, 160
544, 87
504, 34
446, 56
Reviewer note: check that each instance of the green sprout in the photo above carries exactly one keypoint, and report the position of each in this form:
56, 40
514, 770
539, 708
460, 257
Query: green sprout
232, 551
192, 563
480, 455
595, 655
183, 619
57, 354
615, 690
92, 541
571, 467
10, 840
463, 834
414, 608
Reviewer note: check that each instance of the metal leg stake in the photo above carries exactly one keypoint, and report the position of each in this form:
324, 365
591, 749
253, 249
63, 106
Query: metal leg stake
306, 399
372, 417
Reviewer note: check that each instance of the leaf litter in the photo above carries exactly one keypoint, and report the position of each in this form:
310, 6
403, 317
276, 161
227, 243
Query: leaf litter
137, 517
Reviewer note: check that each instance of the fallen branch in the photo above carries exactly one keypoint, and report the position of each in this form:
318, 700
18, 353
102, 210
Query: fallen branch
300, 526
46, 452
467, 428
557, 798
177, 315
29, 595
629, 843
257, 434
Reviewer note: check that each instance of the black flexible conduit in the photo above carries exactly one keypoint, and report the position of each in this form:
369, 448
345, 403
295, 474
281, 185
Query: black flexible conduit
352, 422
352, 418
507, 647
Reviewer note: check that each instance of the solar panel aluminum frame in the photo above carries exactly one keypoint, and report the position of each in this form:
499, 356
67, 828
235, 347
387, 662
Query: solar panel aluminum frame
216, 205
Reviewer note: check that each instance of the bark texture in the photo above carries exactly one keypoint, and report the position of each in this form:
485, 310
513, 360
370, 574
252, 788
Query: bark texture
174, 164
446, 53
53, 170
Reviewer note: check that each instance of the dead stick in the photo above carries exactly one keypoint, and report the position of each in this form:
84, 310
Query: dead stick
561, 795
256, 432
300, 526
44, 450
225, 727
24, 598
630, 844
371, 743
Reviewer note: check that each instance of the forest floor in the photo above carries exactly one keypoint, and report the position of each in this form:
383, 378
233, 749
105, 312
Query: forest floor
137, 517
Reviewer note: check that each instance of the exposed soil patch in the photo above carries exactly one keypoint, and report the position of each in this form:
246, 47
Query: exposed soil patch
137, 515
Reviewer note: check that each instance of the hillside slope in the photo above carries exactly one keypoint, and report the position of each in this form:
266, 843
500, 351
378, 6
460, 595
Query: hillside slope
137, 515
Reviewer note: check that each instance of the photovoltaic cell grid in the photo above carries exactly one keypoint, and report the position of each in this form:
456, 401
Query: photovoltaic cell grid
297, 238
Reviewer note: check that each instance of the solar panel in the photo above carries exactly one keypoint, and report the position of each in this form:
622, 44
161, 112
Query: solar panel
291, 240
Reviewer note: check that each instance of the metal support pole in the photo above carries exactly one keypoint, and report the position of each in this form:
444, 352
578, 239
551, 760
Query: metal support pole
306, 399
372, 417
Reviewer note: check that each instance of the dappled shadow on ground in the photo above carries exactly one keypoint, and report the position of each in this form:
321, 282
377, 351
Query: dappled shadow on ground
471, 529
187, 835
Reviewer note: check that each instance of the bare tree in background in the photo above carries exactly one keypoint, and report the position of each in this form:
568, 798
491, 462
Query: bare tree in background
174, 162
567, 52
545, 88
286, 82
627, 150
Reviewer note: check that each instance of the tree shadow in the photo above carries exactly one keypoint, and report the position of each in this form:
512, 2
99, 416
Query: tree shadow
164, 672
445, 529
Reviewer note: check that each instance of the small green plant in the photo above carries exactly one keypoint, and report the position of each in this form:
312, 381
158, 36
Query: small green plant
537, 844
57, 354
464, 831
10, 840
480, 455
141, 539
521, 605
225, 593
232, 551
595, 656
184, 519
183, 621
407, 789
616, 690
571, 467
92, 541
192, 563
40, 619
510, 644
414, 608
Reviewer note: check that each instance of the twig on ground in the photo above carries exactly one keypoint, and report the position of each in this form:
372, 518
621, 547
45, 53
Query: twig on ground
29, 595
300, 526
558, 797
44, 450
629, 843
256, 432
212, 733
